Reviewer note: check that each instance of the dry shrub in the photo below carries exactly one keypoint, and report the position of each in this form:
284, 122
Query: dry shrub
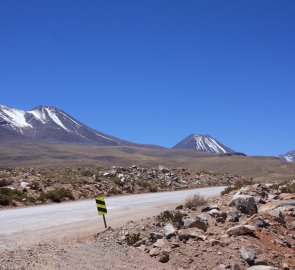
195, 201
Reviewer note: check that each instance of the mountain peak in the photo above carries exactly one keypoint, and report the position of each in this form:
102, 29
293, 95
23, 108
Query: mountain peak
204, 143
41, 107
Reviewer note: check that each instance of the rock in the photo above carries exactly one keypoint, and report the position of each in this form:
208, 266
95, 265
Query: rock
210, 207
216, 213
261, 223
277, 215
291, 225
233, 216
235, 266
140, 242
287, 196
179, 207
164, 257
260, 262
245, 204
241, 230
24, 185
198, 223
169, 231
262, 267
154, 236
154, 252
191, 233
160, 243
247, 255
215, 242
5, 182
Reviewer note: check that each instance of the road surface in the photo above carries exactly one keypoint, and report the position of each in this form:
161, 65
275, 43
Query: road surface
32, 225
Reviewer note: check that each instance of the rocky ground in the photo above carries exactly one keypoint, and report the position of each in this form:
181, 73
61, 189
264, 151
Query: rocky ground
23, 186
250, 228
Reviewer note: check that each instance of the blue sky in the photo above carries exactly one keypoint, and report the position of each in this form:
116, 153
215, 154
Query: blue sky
155, 71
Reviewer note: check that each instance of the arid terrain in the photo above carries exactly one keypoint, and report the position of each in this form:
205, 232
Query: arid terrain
33, 186
248, 228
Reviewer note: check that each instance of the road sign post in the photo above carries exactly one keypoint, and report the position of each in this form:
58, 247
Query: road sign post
101, 208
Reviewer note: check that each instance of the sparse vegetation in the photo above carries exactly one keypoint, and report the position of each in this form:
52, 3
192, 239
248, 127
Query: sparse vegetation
236, 186
195, 201
57, 195
8, 195
132, 238
173, 217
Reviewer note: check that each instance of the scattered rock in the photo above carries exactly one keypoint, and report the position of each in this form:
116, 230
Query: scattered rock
241, 230
262, 267
245, 204
210, 207
191, 233
233, 216
169, 231
198, 223
160, 243
247, 255
154, 236
154, 252
164, 257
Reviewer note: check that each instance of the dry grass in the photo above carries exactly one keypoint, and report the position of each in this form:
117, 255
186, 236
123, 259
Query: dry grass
195, 201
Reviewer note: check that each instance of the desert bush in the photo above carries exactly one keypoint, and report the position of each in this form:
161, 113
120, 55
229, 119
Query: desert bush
87, 173
57, 195
195, 201
132, 238
7, 195
236, 186
173, 217
35, 185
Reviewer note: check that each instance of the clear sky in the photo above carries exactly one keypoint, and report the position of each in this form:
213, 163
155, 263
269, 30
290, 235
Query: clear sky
155, 71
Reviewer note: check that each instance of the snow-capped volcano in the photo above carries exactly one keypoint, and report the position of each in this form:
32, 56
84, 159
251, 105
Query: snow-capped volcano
52, 124
289, 157
204, 143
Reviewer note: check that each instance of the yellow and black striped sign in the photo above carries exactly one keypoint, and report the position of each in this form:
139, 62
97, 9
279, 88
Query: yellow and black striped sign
101, 205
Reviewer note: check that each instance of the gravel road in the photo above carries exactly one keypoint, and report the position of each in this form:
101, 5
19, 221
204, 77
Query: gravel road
32, 225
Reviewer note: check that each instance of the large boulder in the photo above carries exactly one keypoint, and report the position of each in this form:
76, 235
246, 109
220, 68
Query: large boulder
245, 204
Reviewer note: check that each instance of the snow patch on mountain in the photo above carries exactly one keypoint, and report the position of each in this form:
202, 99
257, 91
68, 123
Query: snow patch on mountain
15, 117
56, 119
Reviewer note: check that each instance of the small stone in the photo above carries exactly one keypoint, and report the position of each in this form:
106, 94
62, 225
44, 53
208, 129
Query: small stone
154, 252
160, 243
154, 236
248, 256
169, 231
262, 267
164, 257
241, 230
185, 234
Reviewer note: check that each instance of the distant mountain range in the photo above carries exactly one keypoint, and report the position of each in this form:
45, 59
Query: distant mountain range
50, 124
